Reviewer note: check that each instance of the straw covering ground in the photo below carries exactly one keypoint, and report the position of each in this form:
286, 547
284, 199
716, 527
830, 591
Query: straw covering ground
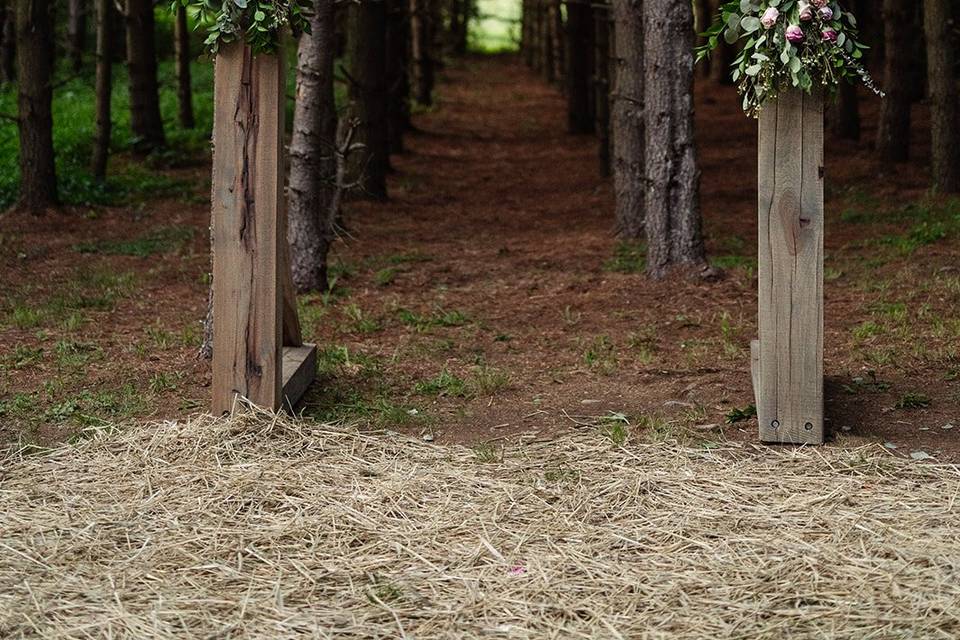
261, 527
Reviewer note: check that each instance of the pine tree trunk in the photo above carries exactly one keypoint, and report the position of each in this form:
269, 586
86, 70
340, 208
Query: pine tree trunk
398, 46
546, 34
527, 39
944, 123
460, 11
104, 88
421, 48
626, 118
38, 178
8, 43
601, 79
673, 221
893, 136
558, 41
145, 118
181, 43
845, 113
76, 32
366, 55
580, 54
313, 163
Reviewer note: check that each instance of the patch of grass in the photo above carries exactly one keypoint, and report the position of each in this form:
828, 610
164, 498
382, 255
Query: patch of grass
743, 414
601, 355
439, 318
643, 345
72, 355
25, 317
487, 381
360, 322
445, 384
24, 356
628, 257
156, 241
487, 453
913, 400
866, 330
615, 427
385, 277
747, 263
160, 336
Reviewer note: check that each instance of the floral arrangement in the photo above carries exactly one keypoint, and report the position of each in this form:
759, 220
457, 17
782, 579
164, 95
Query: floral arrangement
258, 22
788, 43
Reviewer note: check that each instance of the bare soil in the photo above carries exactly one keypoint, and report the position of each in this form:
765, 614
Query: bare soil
489, 296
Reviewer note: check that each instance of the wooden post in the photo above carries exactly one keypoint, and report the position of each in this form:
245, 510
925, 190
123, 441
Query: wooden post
789, 379
254, 309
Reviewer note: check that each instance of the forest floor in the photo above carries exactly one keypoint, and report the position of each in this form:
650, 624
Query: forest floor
490, 298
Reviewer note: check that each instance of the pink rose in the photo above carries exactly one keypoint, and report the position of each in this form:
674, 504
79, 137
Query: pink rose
826, 13
795, 34
829, 35
769, 18
806, 12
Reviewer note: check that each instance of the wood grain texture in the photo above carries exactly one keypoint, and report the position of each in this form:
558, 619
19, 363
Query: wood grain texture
299, 371
790, 382
247, 211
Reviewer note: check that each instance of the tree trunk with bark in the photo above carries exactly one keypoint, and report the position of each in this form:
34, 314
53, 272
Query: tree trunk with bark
558, 42
626, 118
181, 54
38, 178
421, 50
460, 11
145, 120
601, 80
580, 54
104, 88
76, 32
313, 161
8, 42
893, 134
547, 23
673, 220
366, 55
845, 113
398, 46
941, 73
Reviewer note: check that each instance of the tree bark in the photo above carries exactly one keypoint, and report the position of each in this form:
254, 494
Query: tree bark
845, 113
601, 79
181, 43
893, 135
546, 37
460, 11
313, 162
421, 48
145, 120
942, 80
366, 54
38, 178
673, 221
76, 32
580, 54
626, 118
8, 43
104, 88
558, 42
398, 46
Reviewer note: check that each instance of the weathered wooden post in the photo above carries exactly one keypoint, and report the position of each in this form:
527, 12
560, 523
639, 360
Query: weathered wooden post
254, 309
788, 357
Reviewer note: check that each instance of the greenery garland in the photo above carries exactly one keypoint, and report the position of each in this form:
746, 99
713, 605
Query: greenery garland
258, 22
789, 43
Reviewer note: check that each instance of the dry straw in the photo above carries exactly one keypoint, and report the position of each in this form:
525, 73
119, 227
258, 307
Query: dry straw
261, 527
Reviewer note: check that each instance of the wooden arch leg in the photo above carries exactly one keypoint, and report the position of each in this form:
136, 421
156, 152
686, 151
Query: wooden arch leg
254, 306
788, 361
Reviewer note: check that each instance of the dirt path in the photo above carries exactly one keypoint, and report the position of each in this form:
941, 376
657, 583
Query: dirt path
489, 297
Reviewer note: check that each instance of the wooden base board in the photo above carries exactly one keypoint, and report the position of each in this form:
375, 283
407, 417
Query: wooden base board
299, 371
755, 375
